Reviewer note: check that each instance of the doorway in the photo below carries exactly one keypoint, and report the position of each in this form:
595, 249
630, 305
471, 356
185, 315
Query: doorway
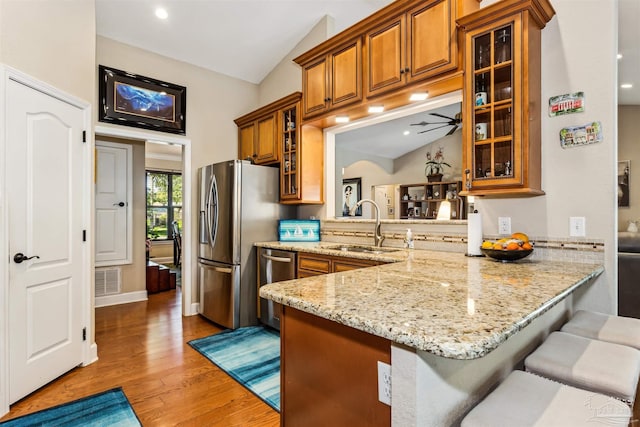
184, 145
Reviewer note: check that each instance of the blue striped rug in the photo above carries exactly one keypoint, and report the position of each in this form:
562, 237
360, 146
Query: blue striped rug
109, 408
249, 355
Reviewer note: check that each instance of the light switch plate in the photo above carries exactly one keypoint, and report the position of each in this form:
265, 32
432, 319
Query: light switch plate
577, 226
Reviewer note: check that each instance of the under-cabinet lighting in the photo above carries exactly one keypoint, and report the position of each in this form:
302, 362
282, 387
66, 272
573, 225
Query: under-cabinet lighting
342, 119
376, 108
626, 85
419, 96
162, 13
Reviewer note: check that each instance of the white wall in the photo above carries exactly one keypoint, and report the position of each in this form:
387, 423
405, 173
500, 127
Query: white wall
629, 149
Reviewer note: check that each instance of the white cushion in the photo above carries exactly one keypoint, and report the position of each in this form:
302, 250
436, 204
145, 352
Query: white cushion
599, 366
527, 400
604, 327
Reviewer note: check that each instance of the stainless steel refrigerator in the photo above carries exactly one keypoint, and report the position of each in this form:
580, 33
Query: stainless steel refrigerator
239, 205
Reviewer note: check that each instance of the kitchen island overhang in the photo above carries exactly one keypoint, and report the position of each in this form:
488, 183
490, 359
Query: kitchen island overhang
447, 304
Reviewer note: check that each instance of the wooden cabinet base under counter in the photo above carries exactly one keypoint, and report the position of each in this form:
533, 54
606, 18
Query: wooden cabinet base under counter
330, 373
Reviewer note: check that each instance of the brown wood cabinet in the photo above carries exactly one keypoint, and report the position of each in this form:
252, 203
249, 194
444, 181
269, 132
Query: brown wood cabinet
333, 79
310, 264
257, 138
329, 373
407, 46
502, 98
412, 46
302, 157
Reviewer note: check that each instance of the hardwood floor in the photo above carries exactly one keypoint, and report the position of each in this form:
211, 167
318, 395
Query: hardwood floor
142, 347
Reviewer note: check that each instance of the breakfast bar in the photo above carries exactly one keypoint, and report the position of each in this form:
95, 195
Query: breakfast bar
456, 325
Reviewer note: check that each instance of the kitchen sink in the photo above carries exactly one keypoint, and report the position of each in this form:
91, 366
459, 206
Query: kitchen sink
362, 249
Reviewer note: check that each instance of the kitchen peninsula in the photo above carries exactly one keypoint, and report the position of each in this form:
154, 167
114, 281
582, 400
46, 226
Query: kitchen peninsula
455, 325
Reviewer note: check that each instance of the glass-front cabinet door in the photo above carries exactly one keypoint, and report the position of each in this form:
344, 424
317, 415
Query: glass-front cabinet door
502, 98
493, 148
289, 135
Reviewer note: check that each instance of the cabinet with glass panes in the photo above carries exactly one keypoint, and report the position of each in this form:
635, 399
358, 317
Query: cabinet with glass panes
289, 166
501, 145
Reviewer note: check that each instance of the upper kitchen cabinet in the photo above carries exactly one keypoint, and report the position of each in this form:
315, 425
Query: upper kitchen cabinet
415, 45
302, 165
502, 98
257, 136
332, 79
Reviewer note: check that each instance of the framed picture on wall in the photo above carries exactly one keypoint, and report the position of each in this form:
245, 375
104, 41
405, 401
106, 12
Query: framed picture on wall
351, 189
132, 100
623, 183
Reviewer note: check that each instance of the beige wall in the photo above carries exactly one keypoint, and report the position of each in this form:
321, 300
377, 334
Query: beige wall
213, 101
286, 77
53, 41
629, 149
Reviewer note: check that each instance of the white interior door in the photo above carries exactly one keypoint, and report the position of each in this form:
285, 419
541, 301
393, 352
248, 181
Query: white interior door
112, 200
45, 207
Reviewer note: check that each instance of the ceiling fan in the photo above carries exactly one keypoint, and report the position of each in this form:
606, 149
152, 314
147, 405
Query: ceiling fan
455, 122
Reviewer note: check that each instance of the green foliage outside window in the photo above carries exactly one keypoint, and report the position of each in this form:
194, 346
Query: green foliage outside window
164, 204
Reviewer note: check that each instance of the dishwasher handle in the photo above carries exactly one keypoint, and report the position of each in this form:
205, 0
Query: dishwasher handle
276, 258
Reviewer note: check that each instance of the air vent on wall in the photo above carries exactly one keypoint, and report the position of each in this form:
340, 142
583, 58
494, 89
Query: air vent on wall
107, 281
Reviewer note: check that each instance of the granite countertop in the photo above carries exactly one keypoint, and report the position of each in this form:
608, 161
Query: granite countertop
445, 303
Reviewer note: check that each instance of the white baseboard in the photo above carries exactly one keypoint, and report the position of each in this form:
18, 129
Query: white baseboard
93, 354
121, 298
193, 309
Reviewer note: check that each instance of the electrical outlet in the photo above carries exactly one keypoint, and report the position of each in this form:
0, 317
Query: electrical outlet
577, 226
504, 225
384, 383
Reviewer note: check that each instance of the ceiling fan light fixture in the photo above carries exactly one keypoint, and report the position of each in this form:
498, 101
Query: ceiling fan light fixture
342, 119
376, 109
419, 96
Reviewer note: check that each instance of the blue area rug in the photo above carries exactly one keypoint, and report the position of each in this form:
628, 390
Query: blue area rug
249, 355
109, 408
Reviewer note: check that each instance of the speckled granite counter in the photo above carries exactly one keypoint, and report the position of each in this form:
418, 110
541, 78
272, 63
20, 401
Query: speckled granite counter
444, 303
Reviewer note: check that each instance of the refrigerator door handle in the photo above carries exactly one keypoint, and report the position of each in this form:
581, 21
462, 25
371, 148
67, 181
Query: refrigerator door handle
214, 219
207, 213
203, 228
276, 258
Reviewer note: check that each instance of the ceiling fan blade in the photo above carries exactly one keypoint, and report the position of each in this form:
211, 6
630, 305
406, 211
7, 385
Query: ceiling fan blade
439, 127
444, 117
455, 128
419, 124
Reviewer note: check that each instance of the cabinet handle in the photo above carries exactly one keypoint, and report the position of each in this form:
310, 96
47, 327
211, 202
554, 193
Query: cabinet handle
406, 70
402, 71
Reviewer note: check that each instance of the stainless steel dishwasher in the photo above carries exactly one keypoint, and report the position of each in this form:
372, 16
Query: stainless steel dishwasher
275, 266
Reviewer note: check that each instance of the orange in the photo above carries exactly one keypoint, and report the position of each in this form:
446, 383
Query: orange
527, 245
520, 236
497, 246
513, 246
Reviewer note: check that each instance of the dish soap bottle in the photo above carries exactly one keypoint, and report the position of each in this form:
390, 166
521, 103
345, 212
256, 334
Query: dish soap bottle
408, 240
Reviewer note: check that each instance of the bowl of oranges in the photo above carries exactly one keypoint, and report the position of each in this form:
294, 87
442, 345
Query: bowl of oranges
508, 249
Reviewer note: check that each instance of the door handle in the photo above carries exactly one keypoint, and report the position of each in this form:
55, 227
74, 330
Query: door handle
19, 257
276, 258
121, 204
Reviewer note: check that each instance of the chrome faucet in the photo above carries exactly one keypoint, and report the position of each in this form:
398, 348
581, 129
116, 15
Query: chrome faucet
377, 235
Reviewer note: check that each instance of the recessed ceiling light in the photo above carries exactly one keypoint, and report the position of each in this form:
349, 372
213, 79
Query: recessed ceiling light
406, 132
626, 85
376, 108
342, 119
162, 13
419, 96
619, 56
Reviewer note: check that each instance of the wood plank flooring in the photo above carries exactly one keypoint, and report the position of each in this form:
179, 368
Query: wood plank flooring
142, 347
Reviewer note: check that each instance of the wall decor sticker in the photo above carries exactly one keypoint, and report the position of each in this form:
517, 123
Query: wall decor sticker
573, 136
566, 104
